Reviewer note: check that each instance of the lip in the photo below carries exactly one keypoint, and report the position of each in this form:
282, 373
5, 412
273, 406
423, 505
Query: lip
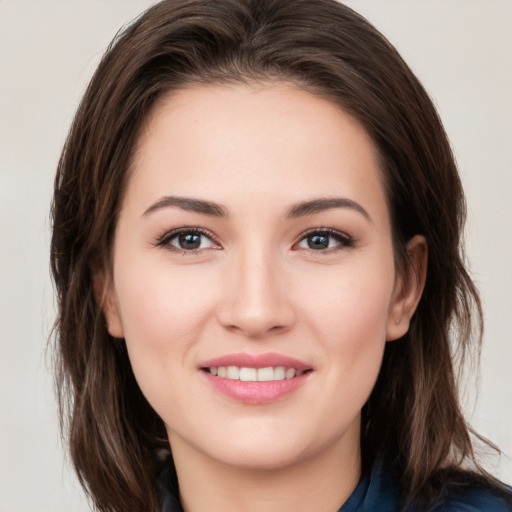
265, 360
256, 392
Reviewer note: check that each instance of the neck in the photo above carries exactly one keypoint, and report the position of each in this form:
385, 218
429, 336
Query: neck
322, 482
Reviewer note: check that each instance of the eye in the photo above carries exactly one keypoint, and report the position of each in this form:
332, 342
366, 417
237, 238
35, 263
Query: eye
325, 240
187, 240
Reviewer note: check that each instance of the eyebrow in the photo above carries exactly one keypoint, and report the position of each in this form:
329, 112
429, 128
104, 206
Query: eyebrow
319, 205
301, 209
190, 205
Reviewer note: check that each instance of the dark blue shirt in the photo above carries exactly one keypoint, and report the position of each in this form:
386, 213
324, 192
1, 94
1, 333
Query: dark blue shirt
377, 492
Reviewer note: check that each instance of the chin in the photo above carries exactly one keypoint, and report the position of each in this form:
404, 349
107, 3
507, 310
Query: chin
259, 458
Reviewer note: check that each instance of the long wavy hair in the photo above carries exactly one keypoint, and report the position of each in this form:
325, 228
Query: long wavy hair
325, 48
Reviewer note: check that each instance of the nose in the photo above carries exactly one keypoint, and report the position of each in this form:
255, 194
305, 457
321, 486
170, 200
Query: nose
256, 300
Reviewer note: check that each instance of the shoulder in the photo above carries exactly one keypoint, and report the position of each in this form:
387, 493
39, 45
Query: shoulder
475, 499
457, 491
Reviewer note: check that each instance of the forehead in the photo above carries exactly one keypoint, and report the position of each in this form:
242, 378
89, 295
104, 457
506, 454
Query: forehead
277, 139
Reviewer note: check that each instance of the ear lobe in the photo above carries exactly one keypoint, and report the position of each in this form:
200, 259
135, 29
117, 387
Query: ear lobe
106, 299
408, 289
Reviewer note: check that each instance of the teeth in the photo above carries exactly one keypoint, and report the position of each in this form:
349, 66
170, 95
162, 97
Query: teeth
255, 374
280, 372
266, 374
248, 374
233, 373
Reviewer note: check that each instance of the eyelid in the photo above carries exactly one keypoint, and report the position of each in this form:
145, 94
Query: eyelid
164, 240
345, 241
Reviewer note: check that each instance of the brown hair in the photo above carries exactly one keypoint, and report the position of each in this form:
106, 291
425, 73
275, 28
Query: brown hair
327, 49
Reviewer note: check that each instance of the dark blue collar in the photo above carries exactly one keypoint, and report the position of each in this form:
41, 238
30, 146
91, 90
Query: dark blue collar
377, 492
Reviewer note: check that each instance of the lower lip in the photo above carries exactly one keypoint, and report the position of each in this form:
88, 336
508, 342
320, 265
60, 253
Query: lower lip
255, 392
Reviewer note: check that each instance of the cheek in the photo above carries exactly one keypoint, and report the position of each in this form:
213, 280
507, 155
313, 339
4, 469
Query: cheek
162, 310
354, 299
349, 313
163, 314
353, 329
355, 344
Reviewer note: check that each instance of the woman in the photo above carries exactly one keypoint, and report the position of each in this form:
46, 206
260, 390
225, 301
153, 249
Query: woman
245, 211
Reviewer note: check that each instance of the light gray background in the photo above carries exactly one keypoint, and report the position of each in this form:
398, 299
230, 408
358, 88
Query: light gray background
460, 49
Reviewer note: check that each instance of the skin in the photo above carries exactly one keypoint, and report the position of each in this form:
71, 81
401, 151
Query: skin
255, 286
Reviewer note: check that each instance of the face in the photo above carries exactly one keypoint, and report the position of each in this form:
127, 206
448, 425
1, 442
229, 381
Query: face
253, 273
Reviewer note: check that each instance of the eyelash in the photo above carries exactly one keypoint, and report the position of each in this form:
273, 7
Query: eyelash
166, 239
343, 240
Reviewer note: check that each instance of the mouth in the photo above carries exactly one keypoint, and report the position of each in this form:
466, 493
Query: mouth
250, 374
256, 379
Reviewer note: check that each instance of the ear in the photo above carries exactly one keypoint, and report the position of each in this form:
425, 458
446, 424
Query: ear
408, 289
106, 299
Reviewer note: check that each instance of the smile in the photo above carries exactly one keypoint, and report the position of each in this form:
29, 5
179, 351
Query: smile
248, 374
256, 378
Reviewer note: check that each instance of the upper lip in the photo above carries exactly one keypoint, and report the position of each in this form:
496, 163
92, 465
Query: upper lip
269, 359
